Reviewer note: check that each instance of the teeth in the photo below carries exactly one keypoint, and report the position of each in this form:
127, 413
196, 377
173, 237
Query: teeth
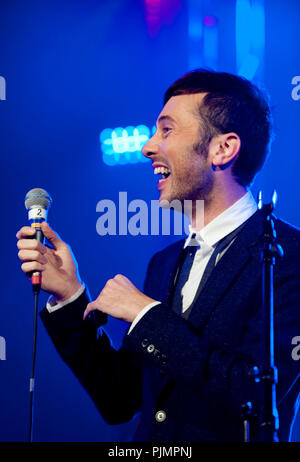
158, 170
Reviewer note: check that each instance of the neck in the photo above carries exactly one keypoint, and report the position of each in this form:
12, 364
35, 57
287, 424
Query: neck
207, 210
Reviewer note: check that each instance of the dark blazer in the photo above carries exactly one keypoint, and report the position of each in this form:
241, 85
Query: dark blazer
196, 371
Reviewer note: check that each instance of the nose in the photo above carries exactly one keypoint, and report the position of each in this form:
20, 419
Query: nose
150, 148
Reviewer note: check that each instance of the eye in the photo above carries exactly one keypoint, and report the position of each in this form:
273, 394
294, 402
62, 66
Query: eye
166, 129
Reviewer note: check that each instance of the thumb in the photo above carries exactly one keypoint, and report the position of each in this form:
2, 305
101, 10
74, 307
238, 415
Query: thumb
51, 235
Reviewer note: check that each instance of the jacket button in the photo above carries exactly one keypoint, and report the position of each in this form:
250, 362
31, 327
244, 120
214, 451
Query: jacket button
160, 416
150, 348
164, 359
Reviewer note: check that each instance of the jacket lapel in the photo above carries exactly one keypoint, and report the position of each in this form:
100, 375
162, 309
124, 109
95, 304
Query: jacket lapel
223, 275
235, 260
175, 265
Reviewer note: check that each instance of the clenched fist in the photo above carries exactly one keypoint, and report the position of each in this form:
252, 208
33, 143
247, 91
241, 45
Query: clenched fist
58, 266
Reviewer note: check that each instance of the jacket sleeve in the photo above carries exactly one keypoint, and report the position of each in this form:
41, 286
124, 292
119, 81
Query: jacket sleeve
111, 377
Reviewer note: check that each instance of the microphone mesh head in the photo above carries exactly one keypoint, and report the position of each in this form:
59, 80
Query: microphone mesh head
37, 197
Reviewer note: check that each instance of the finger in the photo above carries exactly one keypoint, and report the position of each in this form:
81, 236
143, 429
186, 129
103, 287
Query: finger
32, 255
31, 244
25, 231
92, 306
28, 267
52, 236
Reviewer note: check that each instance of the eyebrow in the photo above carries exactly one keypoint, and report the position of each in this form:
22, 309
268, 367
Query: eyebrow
165, 117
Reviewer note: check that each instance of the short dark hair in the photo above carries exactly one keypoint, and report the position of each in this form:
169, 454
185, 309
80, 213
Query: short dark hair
232, 104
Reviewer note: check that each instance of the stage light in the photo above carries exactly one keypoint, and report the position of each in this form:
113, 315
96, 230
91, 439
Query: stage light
249, 66
210, 41
210, 21
203, 36
160, 12
124, 145
250, 37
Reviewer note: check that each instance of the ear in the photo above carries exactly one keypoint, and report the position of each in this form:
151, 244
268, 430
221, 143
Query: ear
224, 149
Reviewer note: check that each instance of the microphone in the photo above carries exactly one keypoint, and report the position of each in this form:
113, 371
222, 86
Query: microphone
37, 203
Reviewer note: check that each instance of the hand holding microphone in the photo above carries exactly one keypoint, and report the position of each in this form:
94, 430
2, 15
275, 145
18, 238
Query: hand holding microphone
37, 202
58, 268
53, 269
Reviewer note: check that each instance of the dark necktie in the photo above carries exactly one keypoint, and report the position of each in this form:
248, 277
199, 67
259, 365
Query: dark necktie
187, 265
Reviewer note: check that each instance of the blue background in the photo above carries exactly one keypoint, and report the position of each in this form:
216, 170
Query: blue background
73, 68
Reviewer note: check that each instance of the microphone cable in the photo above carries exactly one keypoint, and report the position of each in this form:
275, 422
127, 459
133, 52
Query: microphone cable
37, 203
32, 376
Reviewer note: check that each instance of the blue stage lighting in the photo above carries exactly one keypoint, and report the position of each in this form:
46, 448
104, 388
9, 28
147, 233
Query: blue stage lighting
203, 36
250, 37
124, 145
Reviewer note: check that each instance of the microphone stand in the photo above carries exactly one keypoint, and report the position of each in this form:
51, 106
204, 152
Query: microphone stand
266, 376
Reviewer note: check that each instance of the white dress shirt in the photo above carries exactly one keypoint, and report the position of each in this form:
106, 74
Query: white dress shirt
206, 239
209, 236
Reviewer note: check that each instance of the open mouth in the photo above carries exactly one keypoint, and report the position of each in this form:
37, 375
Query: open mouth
164, 172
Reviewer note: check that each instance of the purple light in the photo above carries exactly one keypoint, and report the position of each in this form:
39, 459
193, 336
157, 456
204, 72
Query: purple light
210, 21
159, 12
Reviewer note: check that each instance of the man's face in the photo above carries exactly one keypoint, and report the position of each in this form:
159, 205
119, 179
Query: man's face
178, 146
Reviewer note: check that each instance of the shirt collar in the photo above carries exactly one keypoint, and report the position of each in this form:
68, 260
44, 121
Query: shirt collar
224, 223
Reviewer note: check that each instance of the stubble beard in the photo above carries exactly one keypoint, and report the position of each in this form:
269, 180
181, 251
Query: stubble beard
192, 187
187, 189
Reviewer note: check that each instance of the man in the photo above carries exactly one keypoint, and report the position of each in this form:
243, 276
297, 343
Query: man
196, 332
